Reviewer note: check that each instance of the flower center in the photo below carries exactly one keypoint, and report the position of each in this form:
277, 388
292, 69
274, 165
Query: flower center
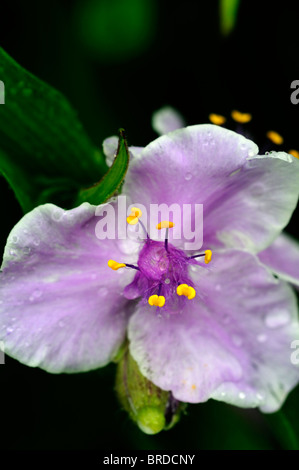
162, 277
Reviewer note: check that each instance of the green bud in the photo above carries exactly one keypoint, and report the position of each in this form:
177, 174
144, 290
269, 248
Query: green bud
150, 407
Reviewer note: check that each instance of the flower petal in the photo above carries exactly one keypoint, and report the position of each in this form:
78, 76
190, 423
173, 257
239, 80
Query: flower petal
167, 119
232, 343
61, 306
282, 257
245, 198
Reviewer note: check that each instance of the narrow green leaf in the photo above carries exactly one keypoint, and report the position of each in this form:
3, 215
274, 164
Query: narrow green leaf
45, 153
228, 11
112, 180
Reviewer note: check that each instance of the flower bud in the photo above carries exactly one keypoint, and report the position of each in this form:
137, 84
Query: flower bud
150, 407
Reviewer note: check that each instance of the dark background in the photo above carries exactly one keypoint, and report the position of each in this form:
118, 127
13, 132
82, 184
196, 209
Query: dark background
167, 53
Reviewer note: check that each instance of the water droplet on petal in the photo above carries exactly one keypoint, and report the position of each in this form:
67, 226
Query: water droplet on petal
237, 340
277, 318
103, 291
194, 268
223, 394
261, 338
15, 239
35, 295
188, 176
167, 281
9, 330
259, 396
36, 241
251, 153
242, 395
257, 189
57, 214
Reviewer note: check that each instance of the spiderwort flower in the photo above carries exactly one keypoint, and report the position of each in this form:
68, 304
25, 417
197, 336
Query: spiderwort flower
222, 331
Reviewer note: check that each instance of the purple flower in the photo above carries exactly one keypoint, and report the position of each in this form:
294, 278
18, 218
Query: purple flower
64, 310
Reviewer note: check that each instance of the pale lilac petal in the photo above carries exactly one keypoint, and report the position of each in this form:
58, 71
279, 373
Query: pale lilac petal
282, 257
167, 119
246, 201
232, 343
110, 148
61, 305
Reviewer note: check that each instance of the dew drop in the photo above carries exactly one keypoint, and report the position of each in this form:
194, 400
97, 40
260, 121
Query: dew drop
103, 291
57, 215
35, 295
36, 241
251, 153
259, 396
15, 239
9, 330
188, 176
13, 252
242, 395
277, 318
223, 394
237, 340
261, 338
257, 189
167, 281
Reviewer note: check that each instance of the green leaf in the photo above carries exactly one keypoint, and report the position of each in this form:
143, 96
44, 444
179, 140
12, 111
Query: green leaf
45, 153
112, 180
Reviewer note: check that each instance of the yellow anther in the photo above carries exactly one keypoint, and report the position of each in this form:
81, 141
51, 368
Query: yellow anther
134, 216
295, 153
217, 119
208, 256
275, 137
164, 224
241, 117
187, 291
114, 265
157, 300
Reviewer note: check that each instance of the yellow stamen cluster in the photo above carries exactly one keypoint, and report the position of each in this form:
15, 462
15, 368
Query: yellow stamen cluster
187, 291
217, 119
275, 137
134, 216
242, 118
114, 265
208, 256
164, 224
157, 300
